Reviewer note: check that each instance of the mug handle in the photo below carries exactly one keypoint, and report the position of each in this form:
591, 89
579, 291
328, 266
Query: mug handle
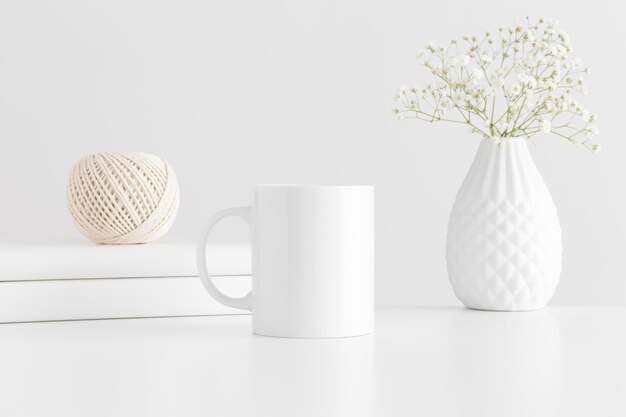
243, 303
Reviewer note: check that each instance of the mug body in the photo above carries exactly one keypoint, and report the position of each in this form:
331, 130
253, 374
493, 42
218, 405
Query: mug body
312, 260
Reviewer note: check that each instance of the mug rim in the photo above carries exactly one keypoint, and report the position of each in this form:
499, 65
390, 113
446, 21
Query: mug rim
310, 186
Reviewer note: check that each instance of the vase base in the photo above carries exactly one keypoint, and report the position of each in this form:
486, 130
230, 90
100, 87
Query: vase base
505, 310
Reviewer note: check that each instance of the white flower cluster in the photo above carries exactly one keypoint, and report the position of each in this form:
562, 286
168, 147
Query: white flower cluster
519, 82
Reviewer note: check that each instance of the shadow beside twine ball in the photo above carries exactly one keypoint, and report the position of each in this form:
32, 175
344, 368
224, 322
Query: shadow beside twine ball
127, 198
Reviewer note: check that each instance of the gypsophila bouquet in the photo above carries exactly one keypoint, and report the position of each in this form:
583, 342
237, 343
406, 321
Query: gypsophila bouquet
516, 83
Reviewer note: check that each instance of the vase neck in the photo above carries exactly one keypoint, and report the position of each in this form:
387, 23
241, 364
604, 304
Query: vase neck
507, 151
504, 169
505, 142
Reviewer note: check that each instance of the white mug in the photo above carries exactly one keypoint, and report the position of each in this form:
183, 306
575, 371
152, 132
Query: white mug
312, 260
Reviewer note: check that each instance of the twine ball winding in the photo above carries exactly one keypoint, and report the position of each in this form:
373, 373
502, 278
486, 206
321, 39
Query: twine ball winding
127, 198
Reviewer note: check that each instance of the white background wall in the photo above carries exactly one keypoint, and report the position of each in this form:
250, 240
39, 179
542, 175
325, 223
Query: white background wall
244, 92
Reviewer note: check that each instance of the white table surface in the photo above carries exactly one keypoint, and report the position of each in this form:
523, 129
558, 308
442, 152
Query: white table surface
420, 361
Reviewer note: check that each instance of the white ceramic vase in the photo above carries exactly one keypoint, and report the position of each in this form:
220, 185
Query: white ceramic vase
504, 239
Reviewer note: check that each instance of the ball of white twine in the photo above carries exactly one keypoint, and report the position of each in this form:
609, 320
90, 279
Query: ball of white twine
123, 198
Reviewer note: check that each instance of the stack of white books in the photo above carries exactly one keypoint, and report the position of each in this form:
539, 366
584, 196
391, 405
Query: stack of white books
79, 280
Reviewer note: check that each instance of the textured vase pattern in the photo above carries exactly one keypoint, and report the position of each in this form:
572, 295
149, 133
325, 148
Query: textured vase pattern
504, 245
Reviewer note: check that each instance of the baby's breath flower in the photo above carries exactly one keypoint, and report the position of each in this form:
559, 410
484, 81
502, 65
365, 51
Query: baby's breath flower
529, 36
501, 125
591, 131
459, 98
496, 80
444, 103
452, 61
584, 115
515, 89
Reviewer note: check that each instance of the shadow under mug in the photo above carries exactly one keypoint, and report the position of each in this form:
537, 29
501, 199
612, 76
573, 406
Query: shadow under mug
312, 260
